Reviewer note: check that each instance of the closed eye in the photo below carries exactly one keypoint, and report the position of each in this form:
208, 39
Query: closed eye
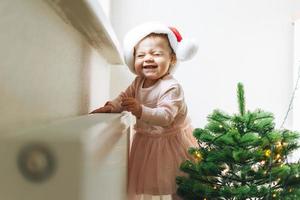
140, 55
157, 53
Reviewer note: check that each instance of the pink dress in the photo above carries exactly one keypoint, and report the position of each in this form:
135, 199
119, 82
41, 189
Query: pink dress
163, 136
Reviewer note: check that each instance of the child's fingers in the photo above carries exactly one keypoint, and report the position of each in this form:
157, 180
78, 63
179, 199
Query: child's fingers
105, 109
129, 108
123, 95
128, 99
128, 102
95, 111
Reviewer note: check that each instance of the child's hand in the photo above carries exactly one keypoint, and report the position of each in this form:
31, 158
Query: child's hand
104, 109
132, 105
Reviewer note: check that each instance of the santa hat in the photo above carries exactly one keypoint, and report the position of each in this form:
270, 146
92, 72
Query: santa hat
183, 48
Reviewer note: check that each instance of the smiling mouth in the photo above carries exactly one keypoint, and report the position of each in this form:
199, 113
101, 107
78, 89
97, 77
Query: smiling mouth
150, 67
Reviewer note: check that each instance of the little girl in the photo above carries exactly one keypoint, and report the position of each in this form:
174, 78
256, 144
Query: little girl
163, 130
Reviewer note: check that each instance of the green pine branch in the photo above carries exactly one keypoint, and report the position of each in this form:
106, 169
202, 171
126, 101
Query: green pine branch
242, 157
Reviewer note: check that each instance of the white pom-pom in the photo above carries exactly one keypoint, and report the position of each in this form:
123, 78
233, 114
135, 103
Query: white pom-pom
186, 49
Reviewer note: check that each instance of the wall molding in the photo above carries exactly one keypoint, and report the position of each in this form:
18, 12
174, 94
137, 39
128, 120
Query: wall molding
87, 17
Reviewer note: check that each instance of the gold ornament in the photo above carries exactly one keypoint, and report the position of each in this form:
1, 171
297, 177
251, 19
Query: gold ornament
197, 156
268, 153
278, 156
278, 147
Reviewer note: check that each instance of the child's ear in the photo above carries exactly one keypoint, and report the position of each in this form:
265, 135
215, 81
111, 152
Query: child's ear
173, 59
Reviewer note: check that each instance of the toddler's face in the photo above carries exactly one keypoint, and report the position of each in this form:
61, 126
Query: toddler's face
153, 57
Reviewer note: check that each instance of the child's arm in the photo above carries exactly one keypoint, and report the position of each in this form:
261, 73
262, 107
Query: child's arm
110, 106
169, 105
162, 115
115, 106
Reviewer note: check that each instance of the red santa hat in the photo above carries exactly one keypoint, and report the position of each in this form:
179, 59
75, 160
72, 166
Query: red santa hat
183, 48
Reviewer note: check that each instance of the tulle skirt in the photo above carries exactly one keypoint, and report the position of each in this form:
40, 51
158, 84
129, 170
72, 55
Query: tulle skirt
154, 162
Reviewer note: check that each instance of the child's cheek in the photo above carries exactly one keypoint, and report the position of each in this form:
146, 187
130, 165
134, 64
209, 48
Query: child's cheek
139, 70
137, 67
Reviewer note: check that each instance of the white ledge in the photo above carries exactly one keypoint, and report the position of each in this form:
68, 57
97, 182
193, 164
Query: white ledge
77, 158
87, 17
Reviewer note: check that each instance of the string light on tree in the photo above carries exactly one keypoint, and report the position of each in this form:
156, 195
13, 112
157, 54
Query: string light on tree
244, 158
255, 167
197, 156
268, 153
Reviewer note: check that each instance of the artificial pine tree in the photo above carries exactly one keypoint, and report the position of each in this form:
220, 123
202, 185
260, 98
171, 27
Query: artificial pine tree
241, 157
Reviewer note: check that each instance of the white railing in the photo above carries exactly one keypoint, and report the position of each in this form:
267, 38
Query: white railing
89, 19
80, 158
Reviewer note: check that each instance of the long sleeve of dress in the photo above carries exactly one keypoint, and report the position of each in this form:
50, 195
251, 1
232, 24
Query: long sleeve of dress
167, 108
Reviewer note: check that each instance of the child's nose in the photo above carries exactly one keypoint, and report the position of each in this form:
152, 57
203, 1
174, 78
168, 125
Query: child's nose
148, 57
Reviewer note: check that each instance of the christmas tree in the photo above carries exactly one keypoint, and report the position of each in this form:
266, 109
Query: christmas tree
241, 156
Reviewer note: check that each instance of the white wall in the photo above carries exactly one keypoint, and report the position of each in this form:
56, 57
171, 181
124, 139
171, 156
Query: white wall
239, 40
105, 4
47, 69
296, 104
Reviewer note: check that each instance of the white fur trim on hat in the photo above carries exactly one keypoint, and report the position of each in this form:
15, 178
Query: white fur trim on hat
184, 49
